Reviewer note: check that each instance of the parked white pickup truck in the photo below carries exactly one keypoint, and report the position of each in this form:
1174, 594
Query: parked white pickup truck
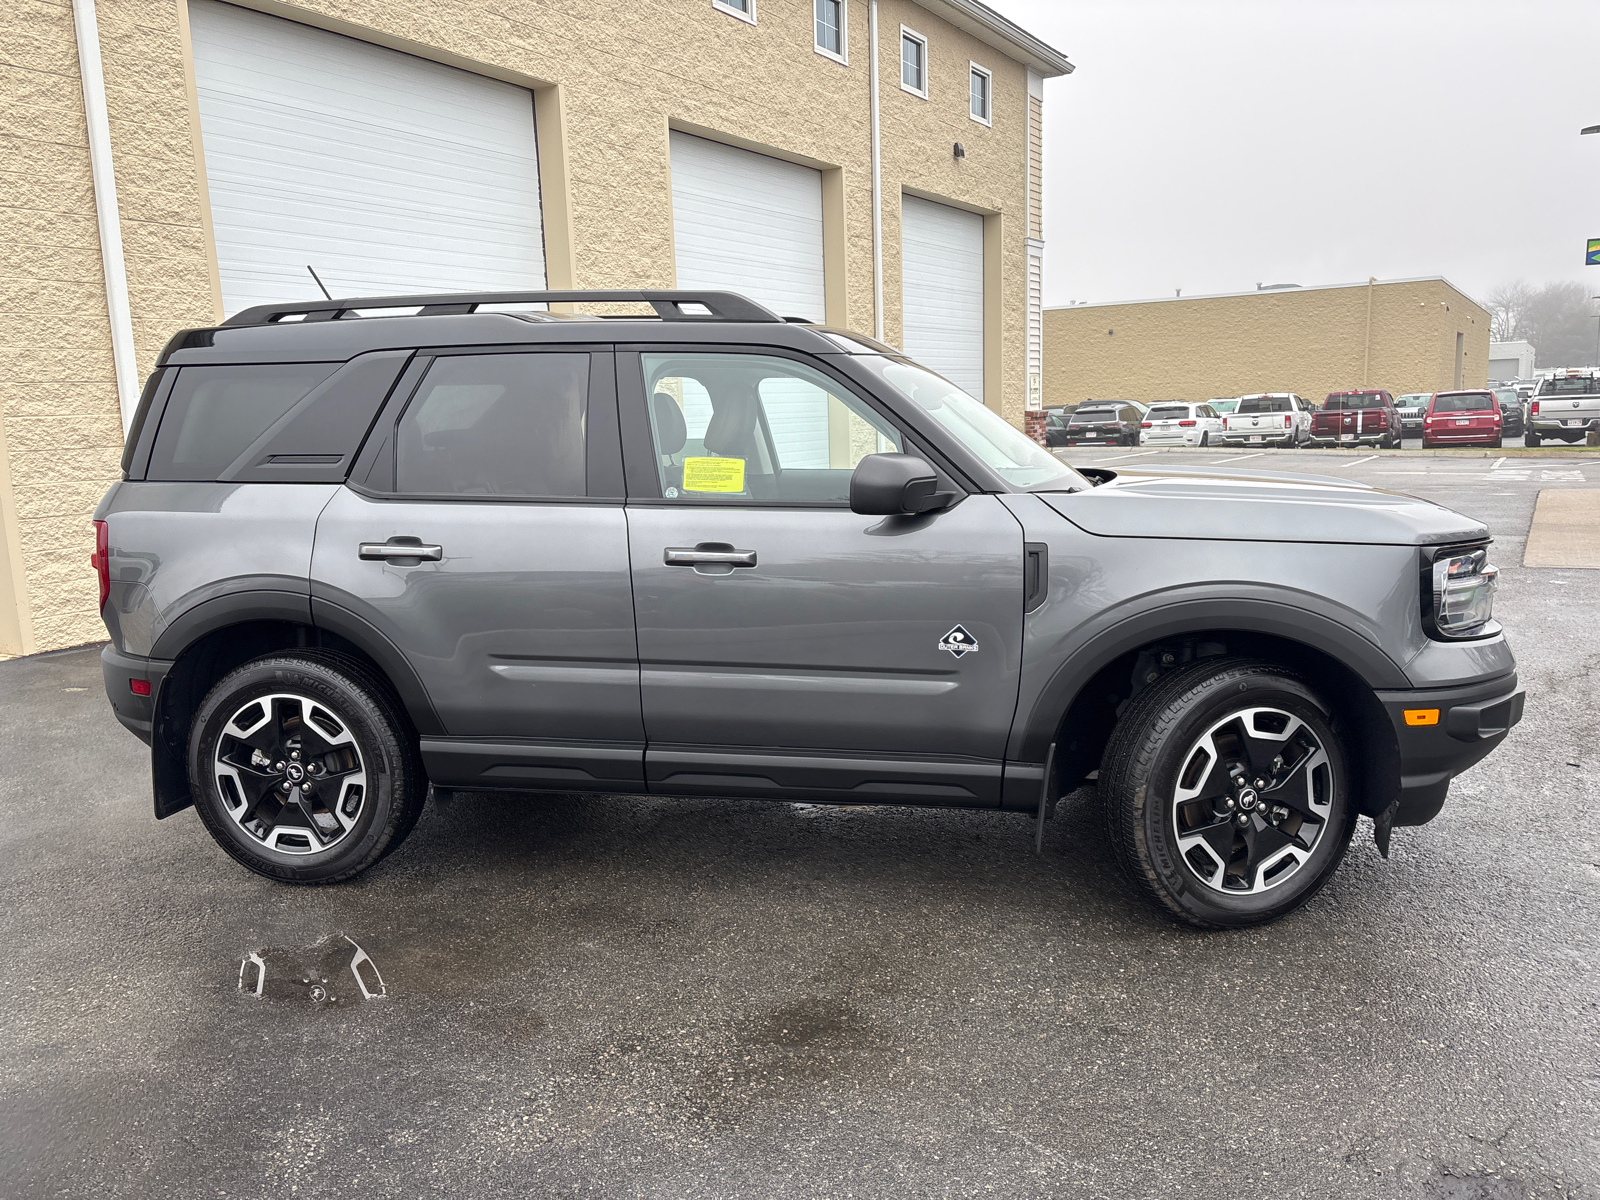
1267, 419
1566, 406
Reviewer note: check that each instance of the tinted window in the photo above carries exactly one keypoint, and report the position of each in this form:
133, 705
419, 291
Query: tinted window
496, 425
1167, 412
1087, 414
1359, 400
742, 427
214, 413
1464, 402
1264, 404
1581, 386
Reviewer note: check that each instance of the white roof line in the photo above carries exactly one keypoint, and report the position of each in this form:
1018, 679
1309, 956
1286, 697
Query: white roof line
1004, 35
1314, 287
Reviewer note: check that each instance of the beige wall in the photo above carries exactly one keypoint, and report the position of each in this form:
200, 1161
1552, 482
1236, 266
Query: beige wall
610, 81
1311, 341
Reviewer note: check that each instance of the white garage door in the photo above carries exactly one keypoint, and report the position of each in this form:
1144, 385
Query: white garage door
385, 172
743, 222
942, 285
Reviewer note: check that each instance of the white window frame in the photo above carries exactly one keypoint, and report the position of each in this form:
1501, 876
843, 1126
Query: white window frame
844, 34
748, 18
907, 32
988, 93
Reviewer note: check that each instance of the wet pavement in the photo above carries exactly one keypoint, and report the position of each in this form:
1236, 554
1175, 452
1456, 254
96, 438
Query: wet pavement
594, 996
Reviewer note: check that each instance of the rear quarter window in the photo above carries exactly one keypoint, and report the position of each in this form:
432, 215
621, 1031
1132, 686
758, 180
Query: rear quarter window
215, 413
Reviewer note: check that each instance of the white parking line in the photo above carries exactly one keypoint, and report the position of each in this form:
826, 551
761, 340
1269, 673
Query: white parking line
1120, 457
1241, 458
1359, 461
1497, 463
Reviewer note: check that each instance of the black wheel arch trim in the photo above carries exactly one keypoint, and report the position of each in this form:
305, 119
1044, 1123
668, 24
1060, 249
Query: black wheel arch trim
265, 599
357, 630
1197, 615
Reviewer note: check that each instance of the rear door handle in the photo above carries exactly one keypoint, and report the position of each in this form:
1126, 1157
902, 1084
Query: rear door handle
708, 554
401, 547
1035, 574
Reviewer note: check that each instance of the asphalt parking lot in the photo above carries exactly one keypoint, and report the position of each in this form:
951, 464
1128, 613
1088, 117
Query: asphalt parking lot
593, 996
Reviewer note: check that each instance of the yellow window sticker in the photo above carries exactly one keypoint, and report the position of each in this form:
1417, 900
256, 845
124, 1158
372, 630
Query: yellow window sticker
713, 474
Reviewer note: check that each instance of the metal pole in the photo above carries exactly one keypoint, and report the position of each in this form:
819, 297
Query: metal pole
877, 177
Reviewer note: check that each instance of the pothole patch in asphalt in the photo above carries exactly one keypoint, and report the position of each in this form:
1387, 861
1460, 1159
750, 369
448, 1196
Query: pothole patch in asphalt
335, 971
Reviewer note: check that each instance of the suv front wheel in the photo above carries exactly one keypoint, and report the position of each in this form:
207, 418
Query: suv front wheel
1226, 792
304, 768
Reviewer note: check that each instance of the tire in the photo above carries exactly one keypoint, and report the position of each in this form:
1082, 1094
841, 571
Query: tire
1205, 438
1497, 443
1192, 716
1530, 439
306, 717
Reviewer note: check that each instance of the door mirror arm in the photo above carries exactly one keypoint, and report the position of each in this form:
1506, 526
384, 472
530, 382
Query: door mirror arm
884, 485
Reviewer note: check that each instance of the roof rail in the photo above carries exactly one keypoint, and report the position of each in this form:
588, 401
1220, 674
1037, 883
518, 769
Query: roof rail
669, 305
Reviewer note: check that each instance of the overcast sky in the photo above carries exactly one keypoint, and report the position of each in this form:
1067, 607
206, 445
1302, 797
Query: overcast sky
1211, 145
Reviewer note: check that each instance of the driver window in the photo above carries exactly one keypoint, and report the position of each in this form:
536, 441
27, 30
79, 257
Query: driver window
751, 427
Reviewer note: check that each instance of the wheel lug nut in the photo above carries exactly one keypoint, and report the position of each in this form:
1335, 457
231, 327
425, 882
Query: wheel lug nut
295, 755
1243, 819
284, 786
278, 766
1261, 783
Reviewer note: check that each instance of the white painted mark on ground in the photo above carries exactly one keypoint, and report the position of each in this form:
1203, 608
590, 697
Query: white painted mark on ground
1498, 462
1241, 458
1561, 476
1121, 457
1359, 461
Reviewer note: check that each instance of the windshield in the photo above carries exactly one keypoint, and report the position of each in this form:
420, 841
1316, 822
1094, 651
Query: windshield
1224, 406
1585, 385
1004, 449
1507, 396
1464, 402
1261, 404
1412, 400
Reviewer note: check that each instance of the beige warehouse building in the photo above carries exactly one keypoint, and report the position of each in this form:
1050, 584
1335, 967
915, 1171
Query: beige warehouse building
1406, 335
871, 163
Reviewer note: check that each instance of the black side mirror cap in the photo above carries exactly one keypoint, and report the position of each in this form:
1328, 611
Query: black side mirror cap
888, 485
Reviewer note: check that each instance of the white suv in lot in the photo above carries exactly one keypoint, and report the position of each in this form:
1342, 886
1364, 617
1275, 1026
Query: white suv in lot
1179, 423
1412, 407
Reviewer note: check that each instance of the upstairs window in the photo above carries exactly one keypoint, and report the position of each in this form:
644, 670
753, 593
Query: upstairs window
982, 86
913, 62
745, 10
830, 28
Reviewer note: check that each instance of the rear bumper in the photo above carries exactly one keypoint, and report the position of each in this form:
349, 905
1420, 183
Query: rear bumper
121, 670
1470, 722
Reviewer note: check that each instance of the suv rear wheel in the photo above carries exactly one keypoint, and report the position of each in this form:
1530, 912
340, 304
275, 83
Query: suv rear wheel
304, 767
1226, 792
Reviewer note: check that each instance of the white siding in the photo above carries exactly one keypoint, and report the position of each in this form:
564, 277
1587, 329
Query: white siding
387, 173
942, 290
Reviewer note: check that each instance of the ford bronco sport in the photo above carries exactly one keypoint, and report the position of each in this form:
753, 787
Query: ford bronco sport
362, 546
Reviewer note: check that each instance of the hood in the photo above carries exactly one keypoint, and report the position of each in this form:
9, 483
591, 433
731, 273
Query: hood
1259, 506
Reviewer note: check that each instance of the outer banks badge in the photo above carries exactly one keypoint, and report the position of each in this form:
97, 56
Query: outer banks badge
958, 641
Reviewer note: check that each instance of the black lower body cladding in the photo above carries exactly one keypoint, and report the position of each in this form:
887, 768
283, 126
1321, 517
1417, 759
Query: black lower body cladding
1442, 732
132, 684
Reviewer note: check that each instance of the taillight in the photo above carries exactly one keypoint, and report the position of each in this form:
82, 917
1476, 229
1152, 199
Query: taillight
1534, 408
1146, 424
1187, 424
139, 687
1287, 420
100, 559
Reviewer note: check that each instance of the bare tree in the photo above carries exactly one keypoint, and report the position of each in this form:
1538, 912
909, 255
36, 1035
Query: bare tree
1508, 310
1555, 317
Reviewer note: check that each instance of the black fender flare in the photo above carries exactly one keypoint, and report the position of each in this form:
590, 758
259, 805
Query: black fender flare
265, 599
1245, 615
361, 633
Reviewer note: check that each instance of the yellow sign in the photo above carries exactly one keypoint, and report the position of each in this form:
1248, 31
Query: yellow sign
713, 474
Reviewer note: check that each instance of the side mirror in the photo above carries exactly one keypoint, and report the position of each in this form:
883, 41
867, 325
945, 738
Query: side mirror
888, 485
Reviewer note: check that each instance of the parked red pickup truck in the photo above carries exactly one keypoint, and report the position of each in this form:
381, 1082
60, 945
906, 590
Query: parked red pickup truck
1358, 418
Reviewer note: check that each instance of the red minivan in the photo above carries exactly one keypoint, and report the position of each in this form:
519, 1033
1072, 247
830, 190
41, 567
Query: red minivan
1461, 419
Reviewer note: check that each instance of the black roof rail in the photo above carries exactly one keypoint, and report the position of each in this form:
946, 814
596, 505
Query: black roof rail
669, 305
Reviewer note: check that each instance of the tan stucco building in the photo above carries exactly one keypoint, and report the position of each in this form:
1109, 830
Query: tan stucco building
1406, 335
150, 162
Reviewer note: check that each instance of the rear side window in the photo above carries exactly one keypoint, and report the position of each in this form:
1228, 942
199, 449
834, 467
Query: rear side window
496, 425
215, 413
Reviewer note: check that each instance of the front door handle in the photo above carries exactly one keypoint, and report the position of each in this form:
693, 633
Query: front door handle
708, 554
401, 548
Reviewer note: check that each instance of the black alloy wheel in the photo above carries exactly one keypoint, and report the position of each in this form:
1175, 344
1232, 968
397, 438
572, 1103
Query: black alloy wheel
1226, 792
304, 767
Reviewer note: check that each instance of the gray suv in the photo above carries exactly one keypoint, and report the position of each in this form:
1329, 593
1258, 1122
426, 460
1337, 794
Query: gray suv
365, 546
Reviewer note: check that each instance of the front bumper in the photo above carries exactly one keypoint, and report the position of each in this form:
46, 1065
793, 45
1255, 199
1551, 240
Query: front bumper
1466, 724
136, 712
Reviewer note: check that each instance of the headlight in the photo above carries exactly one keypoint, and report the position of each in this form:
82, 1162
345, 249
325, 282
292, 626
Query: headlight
1458, 592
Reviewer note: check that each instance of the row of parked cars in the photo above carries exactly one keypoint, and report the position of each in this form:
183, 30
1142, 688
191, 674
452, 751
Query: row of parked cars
1566, 406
